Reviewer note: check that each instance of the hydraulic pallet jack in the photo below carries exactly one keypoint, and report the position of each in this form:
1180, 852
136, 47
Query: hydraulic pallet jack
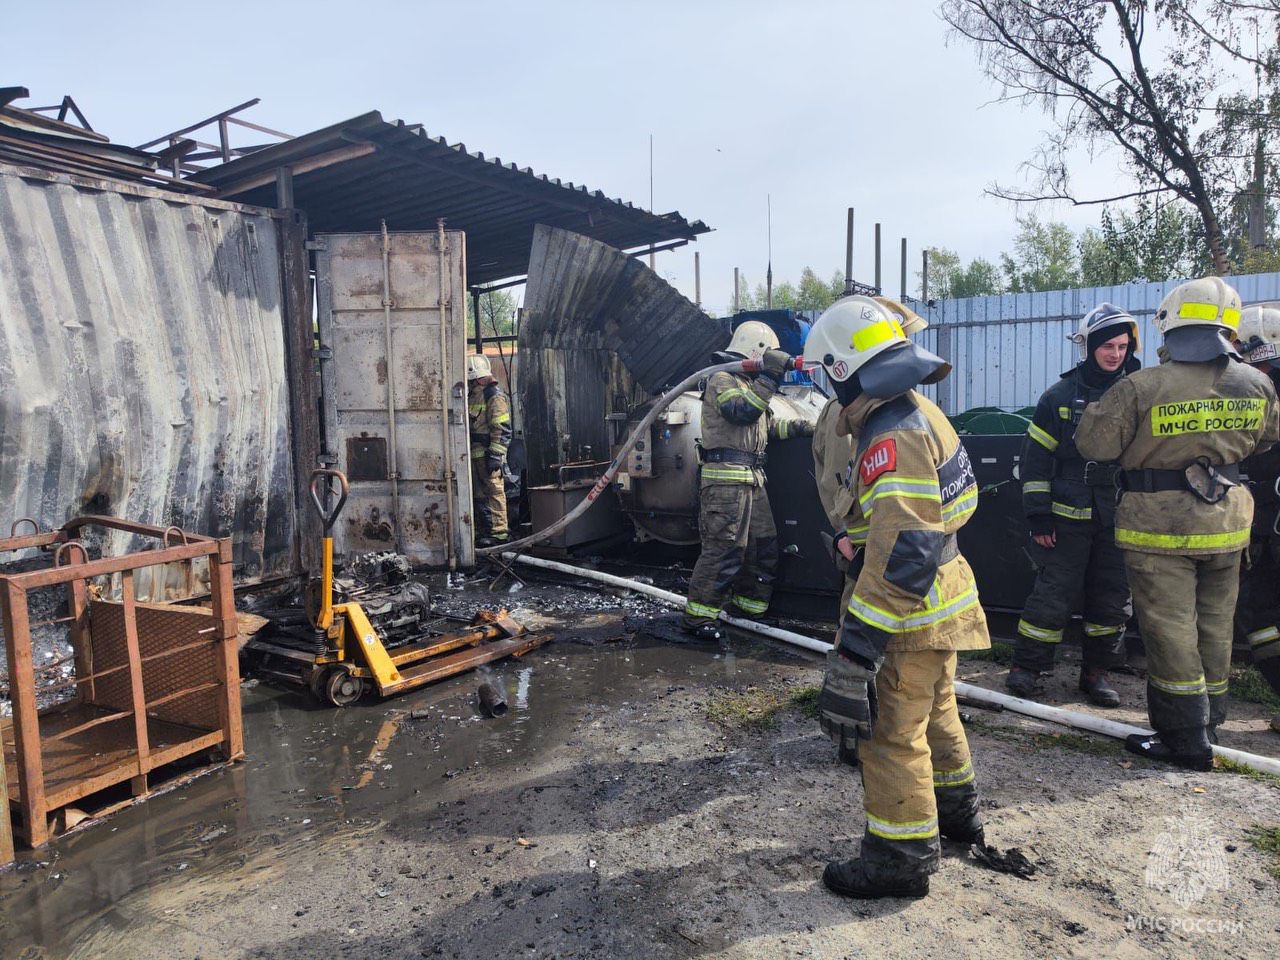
341, 650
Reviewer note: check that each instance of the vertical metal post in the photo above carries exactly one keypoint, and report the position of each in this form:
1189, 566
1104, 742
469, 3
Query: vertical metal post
224, 140
393, 470
138, 697
697, 279
848, 255
904, 269
22, 690
736, 281
878, 258
768, 274
446, 461
475, 312
651, 260
924, 275
226, 661
284, 188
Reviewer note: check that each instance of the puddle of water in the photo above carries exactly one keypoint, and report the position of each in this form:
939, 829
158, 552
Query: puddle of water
316, 774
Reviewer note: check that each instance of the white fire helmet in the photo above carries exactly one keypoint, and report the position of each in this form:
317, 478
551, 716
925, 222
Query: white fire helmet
849, 333
478, 367
1207, 302
752, 339
1258, 338
1100, 317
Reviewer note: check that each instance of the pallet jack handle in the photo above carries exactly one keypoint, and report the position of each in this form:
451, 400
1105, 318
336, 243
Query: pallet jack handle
322, 491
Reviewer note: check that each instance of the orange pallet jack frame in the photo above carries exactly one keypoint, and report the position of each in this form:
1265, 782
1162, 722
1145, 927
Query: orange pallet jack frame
152, 683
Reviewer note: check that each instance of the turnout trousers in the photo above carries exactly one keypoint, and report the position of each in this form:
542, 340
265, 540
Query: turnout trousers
489, 495
1185, 610
739, 552
1084, 571
917, 773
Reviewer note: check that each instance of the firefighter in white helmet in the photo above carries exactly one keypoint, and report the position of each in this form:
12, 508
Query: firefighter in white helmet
1069, 504
490, 420
831, 453
1180, 431
735, 521
889, 687
1258, 608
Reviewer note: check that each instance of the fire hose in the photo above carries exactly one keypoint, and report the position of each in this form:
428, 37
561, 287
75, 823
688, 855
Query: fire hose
606, 478
1028, 708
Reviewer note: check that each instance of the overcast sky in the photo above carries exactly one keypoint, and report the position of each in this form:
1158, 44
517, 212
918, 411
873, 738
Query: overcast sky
822, 105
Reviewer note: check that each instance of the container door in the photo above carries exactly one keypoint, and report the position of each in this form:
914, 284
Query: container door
394, 391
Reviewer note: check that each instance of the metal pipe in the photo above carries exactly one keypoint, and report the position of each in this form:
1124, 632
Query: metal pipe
735, 289
392, 465
697, 279
492, 699
924, 275
1028, 708
848, 255
446, 457
878, 258
904, 270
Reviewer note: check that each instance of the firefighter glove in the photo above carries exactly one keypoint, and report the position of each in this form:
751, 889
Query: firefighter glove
846, 705
775, 364
799, 428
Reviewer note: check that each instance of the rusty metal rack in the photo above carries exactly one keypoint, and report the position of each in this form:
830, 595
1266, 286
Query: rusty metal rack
152, 683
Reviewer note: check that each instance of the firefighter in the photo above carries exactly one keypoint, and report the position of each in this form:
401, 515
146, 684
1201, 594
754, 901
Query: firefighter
490, 413
1258, 608
1069, 504
735, 522
831, 452
1180, 431
889, 687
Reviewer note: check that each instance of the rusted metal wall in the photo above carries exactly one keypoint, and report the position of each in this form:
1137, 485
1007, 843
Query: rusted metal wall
142, 364
600, 332
425, 287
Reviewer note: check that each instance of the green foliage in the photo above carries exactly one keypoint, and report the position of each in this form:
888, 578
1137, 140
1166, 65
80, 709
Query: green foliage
497, 314
1150, 243
811, 293
980, 278
998, 652
1267, 840
1043, 258
755, 708
1227, 765
1248, 684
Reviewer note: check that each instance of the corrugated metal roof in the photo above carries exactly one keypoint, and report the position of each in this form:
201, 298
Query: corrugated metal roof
143, 363
350, 176
600, 333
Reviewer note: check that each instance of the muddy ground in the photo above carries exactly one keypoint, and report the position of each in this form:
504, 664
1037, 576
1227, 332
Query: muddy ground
642, 798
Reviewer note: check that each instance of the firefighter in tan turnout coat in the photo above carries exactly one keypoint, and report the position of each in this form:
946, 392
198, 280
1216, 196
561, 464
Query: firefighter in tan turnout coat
1180, 431
735, 521
490, 422
889, 688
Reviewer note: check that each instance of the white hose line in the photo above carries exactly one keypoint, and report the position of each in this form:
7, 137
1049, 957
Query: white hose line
606, 478
1028, 708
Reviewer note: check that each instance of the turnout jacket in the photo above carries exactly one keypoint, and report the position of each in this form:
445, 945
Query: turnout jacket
736, 417
910, 486
490, 423
831, 453
1164, 418
1057, 482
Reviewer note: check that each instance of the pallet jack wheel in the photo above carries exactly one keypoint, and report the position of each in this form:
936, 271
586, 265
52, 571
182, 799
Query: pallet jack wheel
315, 683
341, 688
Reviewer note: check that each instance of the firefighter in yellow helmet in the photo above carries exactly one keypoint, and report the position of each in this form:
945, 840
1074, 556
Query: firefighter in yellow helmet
735, 521
889, 687
1258, 608
490, 421
1180, 431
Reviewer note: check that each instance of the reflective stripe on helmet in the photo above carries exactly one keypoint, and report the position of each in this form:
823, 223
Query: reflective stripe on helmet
1209, 311
876, 334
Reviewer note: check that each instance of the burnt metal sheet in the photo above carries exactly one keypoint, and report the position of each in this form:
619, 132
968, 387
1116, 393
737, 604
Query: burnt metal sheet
409, 178
142, 358
600, 332
350, 294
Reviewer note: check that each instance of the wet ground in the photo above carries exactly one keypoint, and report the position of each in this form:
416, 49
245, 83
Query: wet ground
641, 799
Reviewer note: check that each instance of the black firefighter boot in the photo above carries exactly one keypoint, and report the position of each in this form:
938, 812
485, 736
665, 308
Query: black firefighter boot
897, 868
1094, 683
1182, 730
1022, 682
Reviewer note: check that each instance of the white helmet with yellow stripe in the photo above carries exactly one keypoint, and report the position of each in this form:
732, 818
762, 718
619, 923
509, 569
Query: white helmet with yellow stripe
861, 335
478, 367
751, 339
1258, 338
1207, 302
